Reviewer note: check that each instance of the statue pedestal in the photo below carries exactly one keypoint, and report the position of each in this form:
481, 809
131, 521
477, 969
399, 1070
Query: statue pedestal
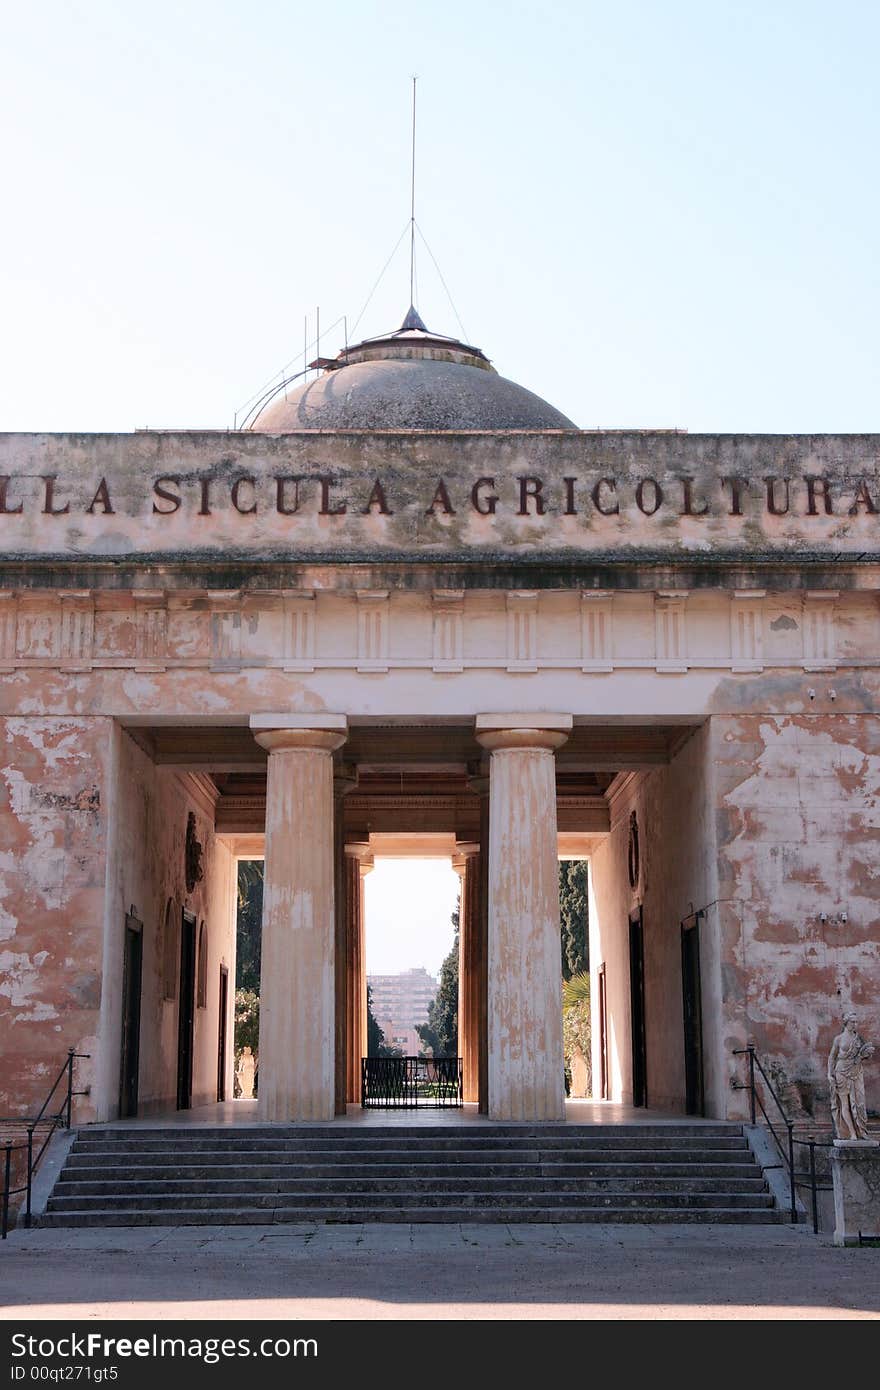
580, 1077
855, 1172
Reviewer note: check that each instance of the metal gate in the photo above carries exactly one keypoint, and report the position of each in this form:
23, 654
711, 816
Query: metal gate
409, 1083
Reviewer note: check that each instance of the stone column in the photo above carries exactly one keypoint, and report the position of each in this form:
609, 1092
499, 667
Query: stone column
526, 1065
359, 863
344, 779
365, 866
297, 980
481, 943
466, 863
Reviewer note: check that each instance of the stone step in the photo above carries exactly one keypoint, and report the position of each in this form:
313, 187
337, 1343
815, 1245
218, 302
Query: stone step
565, 1144
565, 1198
529, 1159
69, 1190
341, 1132
282, 1173
352, 1172
355, 1215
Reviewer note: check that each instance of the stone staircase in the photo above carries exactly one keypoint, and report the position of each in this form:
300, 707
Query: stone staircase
679, 1172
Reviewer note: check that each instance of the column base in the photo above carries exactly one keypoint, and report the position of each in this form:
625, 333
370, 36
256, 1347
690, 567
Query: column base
508, 1114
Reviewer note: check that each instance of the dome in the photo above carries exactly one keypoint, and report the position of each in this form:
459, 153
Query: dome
408, 380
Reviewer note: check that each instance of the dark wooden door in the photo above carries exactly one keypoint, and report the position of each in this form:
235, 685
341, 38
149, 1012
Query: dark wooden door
637, 1002
221, 1041
132, 969
693, 1018
186, 1011
603, 1035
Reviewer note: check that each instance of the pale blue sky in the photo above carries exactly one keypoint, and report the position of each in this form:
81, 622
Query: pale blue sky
409, 905
651, 213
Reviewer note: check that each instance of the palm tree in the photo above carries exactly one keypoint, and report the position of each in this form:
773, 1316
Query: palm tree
576, 1033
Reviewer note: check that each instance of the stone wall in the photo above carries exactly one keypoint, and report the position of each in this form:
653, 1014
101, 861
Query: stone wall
769, 824
799, 868
54, 813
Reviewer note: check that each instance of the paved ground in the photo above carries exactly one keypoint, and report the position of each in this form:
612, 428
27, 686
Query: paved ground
516, 1272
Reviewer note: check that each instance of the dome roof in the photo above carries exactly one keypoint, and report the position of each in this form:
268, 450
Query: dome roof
408, 380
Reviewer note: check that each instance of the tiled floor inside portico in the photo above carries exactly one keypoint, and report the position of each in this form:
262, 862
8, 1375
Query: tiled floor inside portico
241, 1113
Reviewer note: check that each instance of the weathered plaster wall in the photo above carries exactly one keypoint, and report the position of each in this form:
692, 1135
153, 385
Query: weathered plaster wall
151, 807
673, 807
54, 780
797, 831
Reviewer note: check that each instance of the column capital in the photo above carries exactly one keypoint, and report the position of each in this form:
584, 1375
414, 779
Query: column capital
313, 732
528, 730
360, 850
463, 852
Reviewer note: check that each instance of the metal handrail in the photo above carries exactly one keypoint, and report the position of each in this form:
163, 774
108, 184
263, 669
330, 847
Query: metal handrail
786, 1152
59, 1119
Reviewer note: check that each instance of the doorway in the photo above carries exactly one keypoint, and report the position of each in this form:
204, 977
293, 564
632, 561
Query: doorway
186, 1011
637, 1008
411, 933
693, 1016
131, 1016
221, 1040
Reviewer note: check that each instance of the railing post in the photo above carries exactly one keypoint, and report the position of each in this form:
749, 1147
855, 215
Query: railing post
30, 1174
7, 1167
70, 1057
813, 1185
791, 1179
752, 1081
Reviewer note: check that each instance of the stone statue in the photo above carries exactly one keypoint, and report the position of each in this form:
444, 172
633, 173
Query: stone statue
846, 1080
192, 855
247, 1065
580, 1075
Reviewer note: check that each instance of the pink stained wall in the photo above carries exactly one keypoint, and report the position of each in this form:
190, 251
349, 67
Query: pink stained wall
797, 828
768, 823
54, 795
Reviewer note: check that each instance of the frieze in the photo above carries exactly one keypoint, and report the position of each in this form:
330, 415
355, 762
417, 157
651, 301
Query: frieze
349, 499
374, 631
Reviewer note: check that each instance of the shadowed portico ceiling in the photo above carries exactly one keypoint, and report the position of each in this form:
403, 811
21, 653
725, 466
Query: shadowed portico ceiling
410, 778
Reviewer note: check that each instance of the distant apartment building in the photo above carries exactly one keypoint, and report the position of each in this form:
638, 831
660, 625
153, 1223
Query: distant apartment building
400, 1003
396, 1035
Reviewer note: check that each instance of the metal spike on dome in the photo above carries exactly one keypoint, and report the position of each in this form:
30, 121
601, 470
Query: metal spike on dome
412, 321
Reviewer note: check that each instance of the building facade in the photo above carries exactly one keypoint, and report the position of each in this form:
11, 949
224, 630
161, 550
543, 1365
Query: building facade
415, 610
401, 1003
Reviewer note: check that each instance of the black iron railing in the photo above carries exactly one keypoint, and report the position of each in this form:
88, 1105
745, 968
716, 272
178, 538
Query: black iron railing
405, 1083
787, 1143
38, 1130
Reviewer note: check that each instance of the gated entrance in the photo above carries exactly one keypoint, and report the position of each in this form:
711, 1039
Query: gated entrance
410, 1083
